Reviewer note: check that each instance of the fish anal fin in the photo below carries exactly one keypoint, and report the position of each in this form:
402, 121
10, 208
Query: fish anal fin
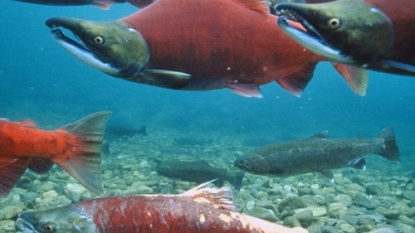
245, 89
359, 164
296, 82
40, 165
356, 77
327, 173
164, 78
260, 6
10, 172
85, 162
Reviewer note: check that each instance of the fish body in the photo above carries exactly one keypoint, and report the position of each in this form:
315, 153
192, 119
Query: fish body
201, 209
375, 34
103, 4
196, 45
75, 147
317, 154
199, 172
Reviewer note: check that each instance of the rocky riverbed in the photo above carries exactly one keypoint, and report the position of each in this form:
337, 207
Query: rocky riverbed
357, 201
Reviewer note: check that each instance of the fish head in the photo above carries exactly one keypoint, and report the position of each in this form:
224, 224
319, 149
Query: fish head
112, 47
346, 31
61, 219
253, 163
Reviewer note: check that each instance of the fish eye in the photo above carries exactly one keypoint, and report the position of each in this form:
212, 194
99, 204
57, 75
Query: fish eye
333, 23
49, 227
99, 40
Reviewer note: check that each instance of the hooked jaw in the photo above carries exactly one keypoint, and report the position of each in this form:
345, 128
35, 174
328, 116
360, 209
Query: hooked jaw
77, 49
311, 39
23, 223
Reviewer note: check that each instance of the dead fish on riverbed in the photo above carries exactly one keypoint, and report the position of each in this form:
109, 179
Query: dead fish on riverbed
317, 154
201, 209
199, 172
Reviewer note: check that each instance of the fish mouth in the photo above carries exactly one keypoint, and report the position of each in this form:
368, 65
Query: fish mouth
76, 46
310, 38
23, 225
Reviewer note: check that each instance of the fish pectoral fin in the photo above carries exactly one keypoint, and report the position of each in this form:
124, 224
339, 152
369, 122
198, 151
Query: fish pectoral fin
165, 78
245, 89
327, 173
399, 65
10, 172
356, 77
296, 82
359, 164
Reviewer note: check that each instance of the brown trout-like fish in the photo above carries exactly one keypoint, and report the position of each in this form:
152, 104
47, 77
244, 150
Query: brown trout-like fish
201, 209
317, 154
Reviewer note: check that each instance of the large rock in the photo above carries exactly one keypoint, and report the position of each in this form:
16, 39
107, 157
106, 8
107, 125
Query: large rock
290, 203
263, 213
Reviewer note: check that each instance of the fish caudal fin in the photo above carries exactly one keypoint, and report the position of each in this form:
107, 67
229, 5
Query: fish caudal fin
390, 150
10, 172
86, 165
356, 77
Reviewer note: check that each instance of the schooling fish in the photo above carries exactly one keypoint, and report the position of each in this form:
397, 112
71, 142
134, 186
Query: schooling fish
197, 45
375, 34
201, 209
199, 172
103, 4
75, 147
317, 154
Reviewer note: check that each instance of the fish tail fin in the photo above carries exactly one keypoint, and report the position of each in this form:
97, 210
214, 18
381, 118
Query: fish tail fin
10, 172
356, 77
236, 180
85, 166
390, 150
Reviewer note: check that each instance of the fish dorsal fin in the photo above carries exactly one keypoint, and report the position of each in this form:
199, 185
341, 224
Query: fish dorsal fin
28, 123
297, 81
220, 198
356, 77
323, 134
260, 6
